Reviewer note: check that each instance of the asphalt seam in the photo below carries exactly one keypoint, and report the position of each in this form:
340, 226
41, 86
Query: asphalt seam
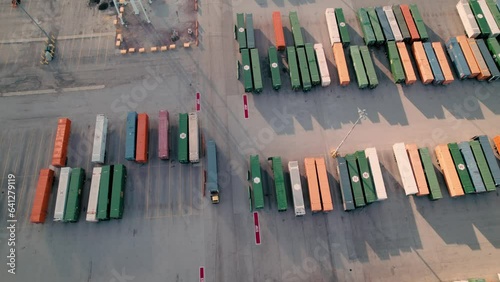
65, 37
52, 91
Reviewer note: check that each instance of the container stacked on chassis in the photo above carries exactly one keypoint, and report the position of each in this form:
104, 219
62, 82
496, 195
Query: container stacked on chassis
60, 154
131, 135
488, 59
398, 14
397, 71
344, 31
72, 211
369, 66
247, 70
279, 183
484, 72
118, 191
393, 23
163, 135
467, 17
443, 63
366, 177
424, 68
274, 67
457, 58
324, 186
469, 56
340, 60
256, 72
490, 158
250, 34
100, 134
256, 180
298, 39
475, 175
298, 198
62, 193
142, 143
194, 137
409, 72
450, 174
376, 172
331, 24
42, 196
313, 64
278, 31
212, 173
359, 68
419, 22
94, 195
345, 184
240, 32
384, 23
405, 169
494, 48
434, 64
488, 181
322, 64
430, 174
366, 27
313, 185
418, 170
375, 25
357, 189
293, 68
480, 19
304, 69
104, 199
410, 23
463, 173
183, 139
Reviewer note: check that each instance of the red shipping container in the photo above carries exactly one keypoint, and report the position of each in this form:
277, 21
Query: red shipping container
142, 142
59, 156
42, 195
410, 23
278, 31
163, 124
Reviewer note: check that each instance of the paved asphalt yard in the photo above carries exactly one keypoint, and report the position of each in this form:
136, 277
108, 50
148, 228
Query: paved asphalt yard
169, 229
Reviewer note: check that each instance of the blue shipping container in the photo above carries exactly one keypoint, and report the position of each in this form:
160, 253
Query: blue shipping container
131, 134
495, 73
457, 58
436, 69
475, 175
384, 23
490, 158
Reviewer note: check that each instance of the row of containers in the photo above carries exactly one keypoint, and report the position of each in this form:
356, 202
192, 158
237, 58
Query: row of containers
480, 18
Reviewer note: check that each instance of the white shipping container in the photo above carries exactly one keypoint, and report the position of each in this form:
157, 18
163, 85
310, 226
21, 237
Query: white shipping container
100, 133
194, 139
62, 191
468, 20
94, 195
331, 23
405, 169
298, 198
389, 13
378, 180
323, 66
495, 31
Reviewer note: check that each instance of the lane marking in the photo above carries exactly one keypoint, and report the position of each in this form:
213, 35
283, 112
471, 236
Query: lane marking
33, 92
202, 274
52, 91
83, 88
245, 105
198, 105
65, 37
257, 227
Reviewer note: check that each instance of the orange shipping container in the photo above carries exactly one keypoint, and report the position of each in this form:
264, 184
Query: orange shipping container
59, 156
340, 61
278, 31
424, 68
445, 161
443, 63
410, 23
42, 195
469, 56
411, 77
324, 186
312, 184
418, 169
496, 140
141, 149
484, 72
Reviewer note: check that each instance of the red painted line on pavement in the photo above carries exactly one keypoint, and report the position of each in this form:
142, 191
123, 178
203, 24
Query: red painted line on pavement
198, 105
245, 105
257, 228
202, 274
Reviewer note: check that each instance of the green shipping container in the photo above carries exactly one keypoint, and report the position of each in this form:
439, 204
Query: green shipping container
250, 31
430, 174
359, 68
345, 185
397, 71
304, 69
72, 211
256, 179
293, 68
419, 22
344, 32
239, 31
247, 70
279, 183
296, 29
494, 48
182, 146
460, 166
369, 67
366, 27
274, 66
118, 191
480, 19
312, 63
494, 10
375, 23
257, 76
104, 199
483, 165
401, 22
366, 177
357, 190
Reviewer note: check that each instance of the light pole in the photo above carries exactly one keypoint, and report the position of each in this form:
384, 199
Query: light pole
22, 8
362, 115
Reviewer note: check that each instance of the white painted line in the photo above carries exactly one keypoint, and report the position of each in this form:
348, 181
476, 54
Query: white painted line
33, 92
65, 37
83, 88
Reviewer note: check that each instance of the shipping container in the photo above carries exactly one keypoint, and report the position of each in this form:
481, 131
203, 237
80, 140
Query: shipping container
256, 179
447, 166
312, 63
305, 78
393, 23
239, 31
293, 67
131, 136
496, 141
482, 164
457, 58
100, 133
312, 185
484, 72
369, 66
384, 23
322, 64
324, 185
419, 22
194, 138
492, 67
409, 71
490, 158
366, 27
469, 56
183, 141
410, 23
397, 71
60, 154
104, 199
378, 180
488, 15
247, 70
405, 170
434, 64
494, 48
405, 33
94, 195
480, 19
72, 210
344, 31
461, 168
212, 182
375, 25
418, 169
279, 36
118, 191
42, 195
494, 11
298, 39
279, 183
298, 198
274, 67
443, 62
62, 193
345, 185
430, 174
468, 20
366, 177
142, 143
341, 63
357, 189
475, 175
331, 24
359, 68
250, 31
423, 66
163, 135
256, 71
